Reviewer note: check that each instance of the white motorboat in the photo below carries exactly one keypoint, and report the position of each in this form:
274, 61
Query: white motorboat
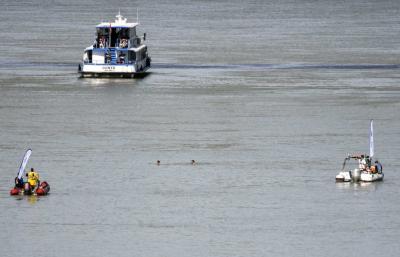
369, 174
367, 171
116, 51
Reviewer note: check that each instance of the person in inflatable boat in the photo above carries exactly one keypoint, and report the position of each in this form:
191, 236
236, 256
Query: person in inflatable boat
19, 182
362, 163
378, 167
33, 178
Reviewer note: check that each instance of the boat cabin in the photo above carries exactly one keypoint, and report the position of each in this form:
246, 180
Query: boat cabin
116, 43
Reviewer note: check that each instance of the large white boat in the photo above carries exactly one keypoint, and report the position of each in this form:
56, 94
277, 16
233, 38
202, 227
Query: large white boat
116, 51
367, 170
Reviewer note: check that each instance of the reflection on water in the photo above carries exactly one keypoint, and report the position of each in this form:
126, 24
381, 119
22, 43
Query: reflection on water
265, 66
32, 199
367, 186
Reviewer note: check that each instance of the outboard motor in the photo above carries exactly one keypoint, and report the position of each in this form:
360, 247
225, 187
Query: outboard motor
356, 175
43, 189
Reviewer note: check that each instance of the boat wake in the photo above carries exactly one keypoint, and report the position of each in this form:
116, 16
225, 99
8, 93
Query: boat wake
187, 66
275, 66
11, 65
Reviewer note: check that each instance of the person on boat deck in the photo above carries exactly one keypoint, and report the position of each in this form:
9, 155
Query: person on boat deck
368, 161
19, 182
362, 163
33, 178
378, 167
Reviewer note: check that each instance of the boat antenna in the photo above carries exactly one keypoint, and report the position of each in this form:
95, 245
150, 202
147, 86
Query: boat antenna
137, 15
119, 15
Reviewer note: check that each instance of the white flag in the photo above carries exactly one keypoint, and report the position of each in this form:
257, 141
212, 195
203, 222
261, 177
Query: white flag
23, 163
371, 139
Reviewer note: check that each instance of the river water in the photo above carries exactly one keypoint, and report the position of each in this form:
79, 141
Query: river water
266, 97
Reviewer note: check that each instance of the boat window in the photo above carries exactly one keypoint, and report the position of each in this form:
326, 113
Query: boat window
122, 57
132, 33
90, 55
123, 33
102, 37
144, 53
102, 31
87, 56
132, 56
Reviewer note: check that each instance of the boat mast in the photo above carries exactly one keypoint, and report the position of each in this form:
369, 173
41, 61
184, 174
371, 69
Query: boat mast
371, 139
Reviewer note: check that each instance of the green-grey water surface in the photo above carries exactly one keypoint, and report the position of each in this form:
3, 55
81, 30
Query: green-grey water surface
267, 97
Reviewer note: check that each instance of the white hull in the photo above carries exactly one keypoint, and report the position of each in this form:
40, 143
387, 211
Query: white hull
371, 177
105, 68
348, 176
343, 176
128, 70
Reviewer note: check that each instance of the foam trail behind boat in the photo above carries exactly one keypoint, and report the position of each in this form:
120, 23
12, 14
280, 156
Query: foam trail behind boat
24, 162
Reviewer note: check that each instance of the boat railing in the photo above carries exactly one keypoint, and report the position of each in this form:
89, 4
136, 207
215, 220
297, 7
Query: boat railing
122, 43
101, 45
119, 43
